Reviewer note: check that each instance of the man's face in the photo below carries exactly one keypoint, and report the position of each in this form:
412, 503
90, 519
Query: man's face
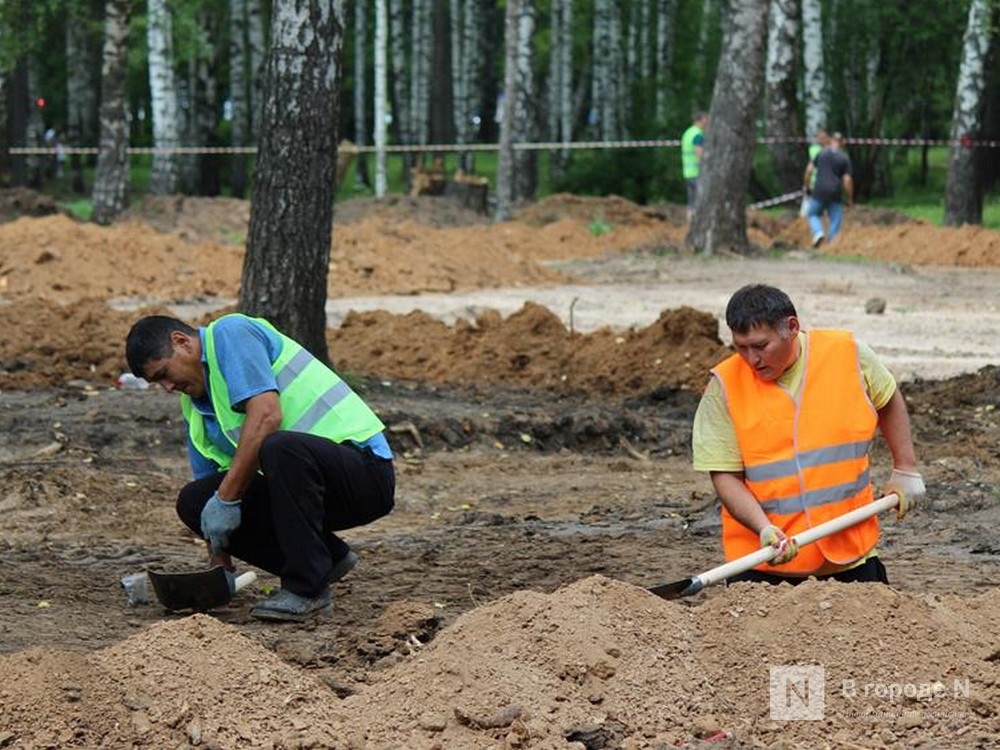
182, 370
769, 350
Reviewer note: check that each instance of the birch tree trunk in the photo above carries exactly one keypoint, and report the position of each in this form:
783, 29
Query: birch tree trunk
291, 214
525, 111
163, 91
813, 62
505, 158
401, 118
381, 95
780, 95
361, 90
665, 20
604, 97
560, 120
239, 125
420, 67
111, 178
466, 62
257, 48
719, 222
963, 203
82, 86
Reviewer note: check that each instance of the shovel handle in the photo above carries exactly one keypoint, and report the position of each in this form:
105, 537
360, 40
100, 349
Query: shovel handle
810, 535
243, 580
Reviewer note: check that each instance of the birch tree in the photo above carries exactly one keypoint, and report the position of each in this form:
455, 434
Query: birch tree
239, 124
466, 64
665, 18
524, 107
401, 120
561, 84
420, 68
780, 94
287, 260
82, 85
361, 90
163, 92
815, 71
111, 179
256, 52
381, 95
963, 193
719, 222
505, 159
604, 93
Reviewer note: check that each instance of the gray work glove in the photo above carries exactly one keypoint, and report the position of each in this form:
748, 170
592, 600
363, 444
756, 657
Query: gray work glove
219, 519
909, 485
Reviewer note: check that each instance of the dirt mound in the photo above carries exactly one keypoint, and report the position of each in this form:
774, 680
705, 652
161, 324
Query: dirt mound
531, 348
18, 201
612, 209
193, 218
597, 662
428, 210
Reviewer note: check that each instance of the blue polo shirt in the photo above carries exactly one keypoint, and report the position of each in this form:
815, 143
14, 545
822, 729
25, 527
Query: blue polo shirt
245, 352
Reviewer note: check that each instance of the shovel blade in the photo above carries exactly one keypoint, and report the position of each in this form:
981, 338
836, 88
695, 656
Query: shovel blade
678, 589
200, 591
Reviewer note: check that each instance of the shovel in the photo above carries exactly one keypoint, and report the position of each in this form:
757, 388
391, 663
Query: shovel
696, 583
201, 591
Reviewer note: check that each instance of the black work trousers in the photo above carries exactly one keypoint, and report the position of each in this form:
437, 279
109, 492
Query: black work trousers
870, 571
309, 488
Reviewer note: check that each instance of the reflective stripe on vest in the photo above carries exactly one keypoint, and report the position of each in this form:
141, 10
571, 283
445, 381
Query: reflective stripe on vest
313, 399
805, 458
690, 164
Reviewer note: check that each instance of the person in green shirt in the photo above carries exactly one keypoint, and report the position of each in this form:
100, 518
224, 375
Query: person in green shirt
821, 140
692, 149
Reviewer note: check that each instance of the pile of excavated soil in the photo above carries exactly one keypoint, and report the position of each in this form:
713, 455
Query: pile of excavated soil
51, 344
531, 348
599, 663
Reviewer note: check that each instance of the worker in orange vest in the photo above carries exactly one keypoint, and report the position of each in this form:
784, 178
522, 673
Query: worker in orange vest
784, 428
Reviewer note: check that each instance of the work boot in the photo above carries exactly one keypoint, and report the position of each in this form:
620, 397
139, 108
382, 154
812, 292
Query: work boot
343, 566
818, 240
286, 606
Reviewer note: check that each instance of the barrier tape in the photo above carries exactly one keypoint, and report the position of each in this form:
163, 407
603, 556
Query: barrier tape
540, 146
776, 201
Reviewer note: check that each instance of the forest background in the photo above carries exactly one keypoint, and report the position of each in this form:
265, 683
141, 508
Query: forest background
592, 71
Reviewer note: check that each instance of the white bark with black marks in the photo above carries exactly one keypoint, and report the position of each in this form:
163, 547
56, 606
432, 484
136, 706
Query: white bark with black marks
111, 178
815, 80
963, 194
780, 95
165, 174
505, 158
381, 95
525, 107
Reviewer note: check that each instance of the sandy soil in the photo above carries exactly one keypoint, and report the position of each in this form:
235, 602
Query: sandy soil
544, 481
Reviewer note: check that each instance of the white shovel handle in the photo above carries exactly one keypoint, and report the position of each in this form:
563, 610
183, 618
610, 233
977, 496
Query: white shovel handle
810, 535
243, 580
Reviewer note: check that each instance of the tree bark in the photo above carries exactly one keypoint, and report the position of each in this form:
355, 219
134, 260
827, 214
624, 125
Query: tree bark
82, 84
525, 109
815, 73
963, 202
291, 214
257, 49
361, 90
111, 179
402, 124
381, 95
505, 159
787, 156
239, 125
665, 34
719, 222
163, 92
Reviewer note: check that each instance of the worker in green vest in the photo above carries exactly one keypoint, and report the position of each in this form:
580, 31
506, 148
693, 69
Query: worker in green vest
692, 148
284, 452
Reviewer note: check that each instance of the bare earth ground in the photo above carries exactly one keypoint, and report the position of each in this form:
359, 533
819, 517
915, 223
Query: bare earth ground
544, 480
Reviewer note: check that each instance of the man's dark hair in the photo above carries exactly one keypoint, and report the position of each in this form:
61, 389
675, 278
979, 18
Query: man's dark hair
758, 304
149, 339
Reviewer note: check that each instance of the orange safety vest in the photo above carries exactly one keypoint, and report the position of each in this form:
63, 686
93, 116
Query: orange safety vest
805, 458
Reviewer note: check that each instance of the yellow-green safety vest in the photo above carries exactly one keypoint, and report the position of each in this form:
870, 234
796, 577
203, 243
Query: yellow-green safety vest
690, 163
313, 399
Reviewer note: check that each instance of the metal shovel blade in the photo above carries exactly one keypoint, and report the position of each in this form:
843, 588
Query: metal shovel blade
678, 589
201, 591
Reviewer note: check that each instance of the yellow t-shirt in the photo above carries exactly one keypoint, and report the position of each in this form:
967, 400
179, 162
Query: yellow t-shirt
713, 440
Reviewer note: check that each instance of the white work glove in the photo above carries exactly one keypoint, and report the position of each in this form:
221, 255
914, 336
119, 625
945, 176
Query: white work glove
772, 536
909, 485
